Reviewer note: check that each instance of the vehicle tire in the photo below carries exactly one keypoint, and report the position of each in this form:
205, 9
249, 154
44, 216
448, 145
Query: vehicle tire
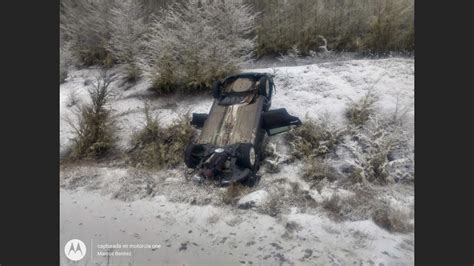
246, 156
190, 158
263, 89
216, 89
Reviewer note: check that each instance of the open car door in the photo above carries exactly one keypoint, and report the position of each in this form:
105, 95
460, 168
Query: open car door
278, 121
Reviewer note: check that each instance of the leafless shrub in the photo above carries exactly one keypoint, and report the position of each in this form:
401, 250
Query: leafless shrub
94, 128
155, 146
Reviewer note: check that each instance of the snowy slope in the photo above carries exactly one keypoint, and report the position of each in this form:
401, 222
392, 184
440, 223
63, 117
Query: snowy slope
107, 204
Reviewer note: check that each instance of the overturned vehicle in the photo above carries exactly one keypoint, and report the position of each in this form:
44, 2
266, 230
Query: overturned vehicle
230, 145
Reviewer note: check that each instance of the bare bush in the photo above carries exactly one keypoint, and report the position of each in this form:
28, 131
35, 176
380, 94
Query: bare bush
94, 128
189, 46
155, 146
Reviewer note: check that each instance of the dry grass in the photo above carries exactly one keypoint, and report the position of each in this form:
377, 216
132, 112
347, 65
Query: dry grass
358, 206
233, 192
358, 113
365, 204
316, 170
213, 219
135, 185
159, 147
392, 219
380, 141
273, 206
313, 139
284, 197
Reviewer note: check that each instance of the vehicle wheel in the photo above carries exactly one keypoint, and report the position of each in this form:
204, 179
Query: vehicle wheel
246, 156
264, 87
216, 89
190, 158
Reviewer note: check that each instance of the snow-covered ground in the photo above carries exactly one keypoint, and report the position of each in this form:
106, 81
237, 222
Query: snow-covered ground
111, 203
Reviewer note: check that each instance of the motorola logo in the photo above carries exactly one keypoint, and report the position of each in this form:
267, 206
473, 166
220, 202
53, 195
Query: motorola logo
75, 249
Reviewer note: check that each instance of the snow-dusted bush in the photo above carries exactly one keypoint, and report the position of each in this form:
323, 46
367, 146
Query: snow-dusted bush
391, 27
374, 25
94, 127
383, 153
192, 44
66, 60
155, 146
86, 26
127, 29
